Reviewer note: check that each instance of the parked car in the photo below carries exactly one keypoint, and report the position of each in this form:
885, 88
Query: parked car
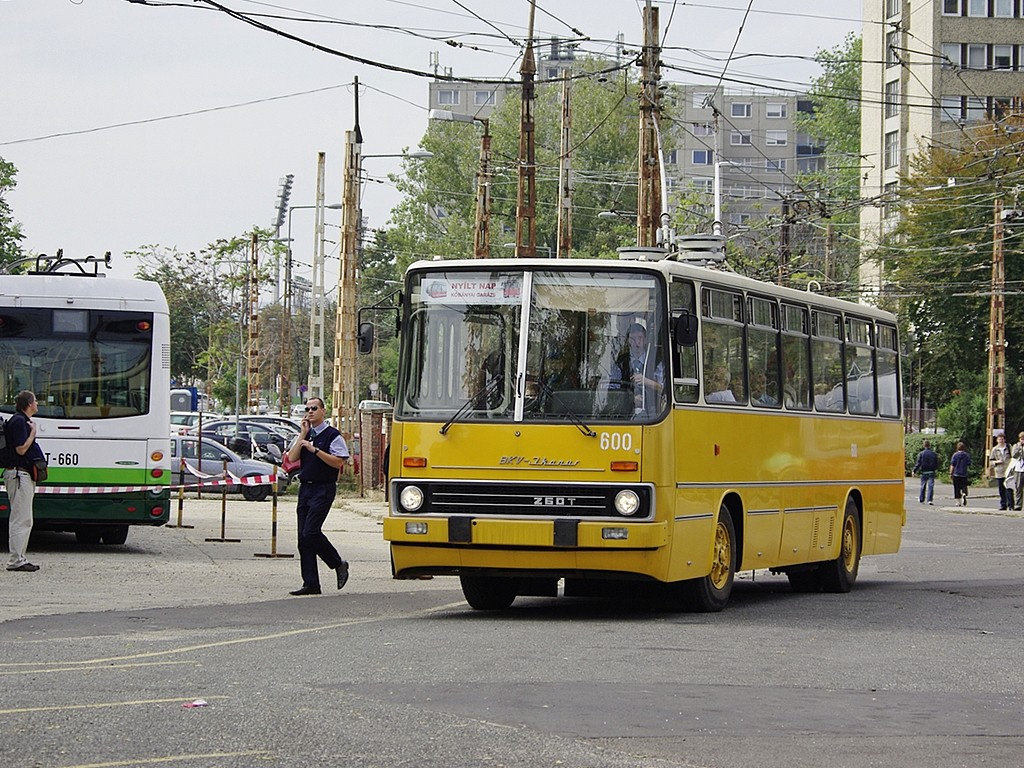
213, 457
298, 412
183, 421
247, 438
280, 423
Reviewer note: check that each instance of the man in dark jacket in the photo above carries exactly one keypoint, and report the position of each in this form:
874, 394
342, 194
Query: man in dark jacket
21, 488
927, 464
322, 452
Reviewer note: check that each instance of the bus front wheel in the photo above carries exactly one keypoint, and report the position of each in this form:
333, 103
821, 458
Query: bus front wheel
488, 593
839, 575
711, 593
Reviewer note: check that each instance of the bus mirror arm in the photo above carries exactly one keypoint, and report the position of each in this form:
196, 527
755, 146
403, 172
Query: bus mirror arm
684, 329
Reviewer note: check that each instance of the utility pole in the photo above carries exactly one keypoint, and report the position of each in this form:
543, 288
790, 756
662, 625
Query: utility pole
526, 196
316, 310
254, 326
344, 406
996, 417
482, 231
784, 240
565, 175
649, 202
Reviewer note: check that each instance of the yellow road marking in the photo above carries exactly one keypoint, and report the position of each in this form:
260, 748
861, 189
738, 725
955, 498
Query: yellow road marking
102, 705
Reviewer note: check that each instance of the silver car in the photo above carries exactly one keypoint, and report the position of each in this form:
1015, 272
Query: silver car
213, 457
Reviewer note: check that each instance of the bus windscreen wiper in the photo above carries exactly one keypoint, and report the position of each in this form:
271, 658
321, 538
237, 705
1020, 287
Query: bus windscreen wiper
545, 388
482, 395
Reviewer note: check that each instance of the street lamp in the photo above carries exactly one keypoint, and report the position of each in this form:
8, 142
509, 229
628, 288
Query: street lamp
482, 230
286, 314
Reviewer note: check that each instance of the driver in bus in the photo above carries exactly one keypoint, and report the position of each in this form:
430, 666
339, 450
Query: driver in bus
636, 369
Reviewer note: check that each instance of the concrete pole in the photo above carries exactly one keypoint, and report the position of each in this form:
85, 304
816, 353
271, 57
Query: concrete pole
345, 364
565, 176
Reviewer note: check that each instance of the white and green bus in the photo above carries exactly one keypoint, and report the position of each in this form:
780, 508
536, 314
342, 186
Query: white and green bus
96, 353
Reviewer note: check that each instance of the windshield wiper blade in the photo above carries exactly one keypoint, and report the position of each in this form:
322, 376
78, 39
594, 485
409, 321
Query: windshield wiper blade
471, 403
575, 419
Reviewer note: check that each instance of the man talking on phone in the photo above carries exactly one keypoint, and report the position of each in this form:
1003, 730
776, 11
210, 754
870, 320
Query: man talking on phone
322, 452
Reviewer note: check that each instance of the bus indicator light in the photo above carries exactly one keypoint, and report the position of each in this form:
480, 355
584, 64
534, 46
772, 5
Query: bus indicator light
615, 533
156, 472
143, 326
156, 511
156, 456
416, 462
625, 466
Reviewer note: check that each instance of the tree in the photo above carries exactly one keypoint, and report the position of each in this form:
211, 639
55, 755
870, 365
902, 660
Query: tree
10, 230
834, 185
939, 260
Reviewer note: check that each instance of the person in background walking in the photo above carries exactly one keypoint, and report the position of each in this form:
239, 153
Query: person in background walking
1017, 453
927, 464
999, 461
322, 452
958, 464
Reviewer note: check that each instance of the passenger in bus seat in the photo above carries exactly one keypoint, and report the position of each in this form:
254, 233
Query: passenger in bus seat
716, 385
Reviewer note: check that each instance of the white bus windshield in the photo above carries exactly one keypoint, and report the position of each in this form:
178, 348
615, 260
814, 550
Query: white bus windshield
593, 350
81, 364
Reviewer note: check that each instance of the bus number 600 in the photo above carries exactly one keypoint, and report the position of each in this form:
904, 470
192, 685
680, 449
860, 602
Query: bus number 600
616, 441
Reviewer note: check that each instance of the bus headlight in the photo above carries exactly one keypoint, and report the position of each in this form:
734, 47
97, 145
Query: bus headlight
627, 503
411, 498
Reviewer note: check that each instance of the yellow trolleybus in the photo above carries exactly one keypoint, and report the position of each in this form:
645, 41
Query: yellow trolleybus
600, 422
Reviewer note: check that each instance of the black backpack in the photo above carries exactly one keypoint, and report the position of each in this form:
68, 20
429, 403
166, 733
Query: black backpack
6, 454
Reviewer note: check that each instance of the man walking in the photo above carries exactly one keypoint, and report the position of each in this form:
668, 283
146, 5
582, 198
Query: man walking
1017, 454
927, 464
322, 452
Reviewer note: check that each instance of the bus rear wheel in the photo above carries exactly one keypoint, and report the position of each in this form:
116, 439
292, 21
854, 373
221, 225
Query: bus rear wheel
840, 574
711, 593
115, 534
89, 534
488, 593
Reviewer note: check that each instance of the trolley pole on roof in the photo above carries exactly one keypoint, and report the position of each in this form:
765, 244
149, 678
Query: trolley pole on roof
526, 197
649, 202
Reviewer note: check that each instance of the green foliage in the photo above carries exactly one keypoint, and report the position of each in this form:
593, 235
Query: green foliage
943, 444
941, 261
10, 230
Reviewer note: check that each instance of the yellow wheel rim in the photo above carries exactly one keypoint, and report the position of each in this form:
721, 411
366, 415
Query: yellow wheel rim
721, 561
850, 544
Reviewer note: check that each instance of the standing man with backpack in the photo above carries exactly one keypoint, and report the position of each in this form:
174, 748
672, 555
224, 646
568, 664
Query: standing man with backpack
21, 450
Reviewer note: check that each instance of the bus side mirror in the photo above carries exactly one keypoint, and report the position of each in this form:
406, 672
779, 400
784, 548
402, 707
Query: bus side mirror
364, 339
684, 329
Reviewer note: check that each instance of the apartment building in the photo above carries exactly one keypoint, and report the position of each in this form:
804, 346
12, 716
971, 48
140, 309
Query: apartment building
932, 69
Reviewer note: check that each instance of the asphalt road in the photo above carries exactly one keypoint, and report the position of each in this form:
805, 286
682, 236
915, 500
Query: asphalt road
918, 666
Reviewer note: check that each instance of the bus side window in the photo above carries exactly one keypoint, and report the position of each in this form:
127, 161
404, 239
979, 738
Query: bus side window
684, 325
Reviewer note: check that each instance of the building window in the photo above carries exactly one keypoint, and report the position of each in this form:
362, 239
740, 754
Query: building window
951, 7
892, 98
701, 100
815, 164
889, 198
703, 185
743, 163
892, 42
1002, 57
892, 8
1002, 107
976, 108
700, 129
739, 138
951, 55
741, 109
976, 56
950, 109
775, 166
775, 109
977, 7
776, 138
1004, 9
448, 97
671, 157
892, 149
703, 157
739, 219
483, 98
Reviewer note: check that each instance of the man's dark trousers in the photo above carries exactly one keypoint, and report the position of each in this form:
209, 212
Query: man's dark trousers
315, 501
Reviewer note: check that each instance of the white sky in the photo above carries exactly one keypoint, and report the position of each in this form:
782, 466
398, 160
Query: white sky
70, 66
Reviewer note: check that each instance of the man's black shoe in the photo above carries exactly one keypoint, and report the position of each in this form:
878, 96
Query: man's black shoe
306, 591
29, 568
342, 572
